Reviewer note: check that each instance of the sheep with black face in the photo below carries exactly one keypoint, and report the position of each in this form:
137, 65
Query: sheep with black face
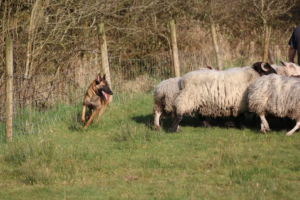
217, 93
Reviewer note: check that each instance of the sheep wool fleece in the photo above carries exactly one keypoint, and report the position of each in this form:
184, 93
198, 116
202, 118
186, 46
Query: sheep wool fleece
276, 95
215, 93
165, 94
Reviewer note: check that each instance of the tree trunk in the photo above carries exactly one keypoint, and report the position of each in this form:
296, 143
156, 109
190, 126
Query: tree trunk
104, 55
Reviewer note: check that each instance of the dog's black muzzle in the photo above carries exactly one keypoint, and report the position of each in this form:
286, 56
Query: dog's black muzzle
107, 90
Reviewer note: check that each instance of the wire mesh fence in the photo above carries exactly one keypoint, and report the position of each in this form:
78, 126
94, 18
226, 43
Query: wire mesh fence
37, 101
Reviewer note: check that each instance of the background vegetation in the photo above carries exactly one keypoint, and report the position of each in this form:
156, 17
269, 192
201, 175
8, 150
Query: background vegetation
54, 35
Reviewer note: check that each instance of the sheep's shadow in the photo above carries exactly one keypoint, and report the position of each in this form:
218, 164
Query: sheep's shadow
275, 123
166, 122
251, 122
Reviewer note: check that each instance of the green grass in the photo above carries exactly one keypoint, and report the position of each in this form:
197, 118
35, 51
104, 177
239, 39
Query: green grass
122, 157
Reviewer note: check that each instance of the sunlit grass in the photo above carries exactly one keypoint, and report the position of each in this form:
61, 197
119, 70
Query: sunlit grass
122, 157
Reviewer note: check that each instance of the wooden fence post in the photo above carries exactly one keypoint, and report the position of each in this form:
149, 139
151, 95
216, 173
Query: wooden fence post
174, 48
215, 43
9, 88
104, 54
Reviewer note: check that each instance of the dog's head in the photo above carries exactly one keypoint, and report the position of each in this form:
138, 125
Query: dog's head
102, 87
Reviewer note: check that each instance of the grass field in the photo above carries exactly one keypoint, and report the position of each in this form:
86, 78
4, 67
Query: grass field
122, 157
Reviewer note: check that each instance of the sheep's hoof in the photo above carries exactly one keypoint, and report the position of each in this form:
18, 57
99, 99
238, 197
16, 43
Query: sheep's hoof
173, 131
229, 124
288, 134
157, 128
264, 130
242, 127
206, 124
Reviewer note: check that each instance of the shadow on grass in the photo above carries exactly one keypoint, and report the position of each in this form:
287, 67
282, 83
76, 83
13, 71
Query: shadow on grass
251, 122
275, 123
166, 122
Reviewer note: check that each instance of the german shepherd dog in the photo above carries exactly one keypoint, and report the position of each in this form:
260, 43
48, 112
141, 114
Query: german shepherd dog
96, 99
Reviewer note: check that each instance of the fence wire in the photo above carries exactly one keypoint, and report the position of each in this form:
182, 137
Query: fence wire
37, 98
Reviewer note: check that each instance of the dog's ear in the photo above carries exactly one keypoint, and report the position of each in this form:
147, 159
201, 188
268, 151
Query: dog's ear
104, 77
98, 78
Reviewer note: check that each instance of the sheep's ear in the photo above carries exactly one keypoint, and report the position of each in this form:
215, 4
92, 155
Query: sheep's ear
284, 63
288, 64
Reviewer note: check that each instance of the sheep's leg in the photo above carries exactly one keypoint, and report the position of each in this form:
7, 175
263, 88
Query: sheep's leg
203, 121
294, 129
232, 123
240, 121
157, 115
291, 123
173, 118
264, 126
176, 122
253, 119
218, 121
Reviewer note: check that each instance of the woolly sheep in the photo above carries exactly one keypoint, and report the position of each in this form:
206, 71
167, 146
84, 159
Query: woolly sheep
276, 95
288, 69
164, 96
217, 93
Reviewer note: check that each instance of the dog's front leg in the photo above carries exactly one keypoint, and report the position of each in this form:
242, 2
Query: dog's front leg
83, 113
90, 113
91, 118
102, 109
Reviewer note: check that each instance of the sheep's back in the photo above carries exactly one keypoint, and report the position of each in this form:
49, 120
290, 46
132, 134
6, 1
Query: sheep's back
215, 93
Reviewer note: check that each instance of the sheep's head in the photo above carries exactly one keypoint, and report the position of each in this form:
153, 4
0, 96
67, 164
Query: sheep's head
263, 68
290, 68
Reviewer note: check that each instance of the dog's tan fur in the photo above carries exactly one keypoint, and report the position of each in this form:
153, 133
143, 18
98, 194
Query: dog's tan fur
96, 102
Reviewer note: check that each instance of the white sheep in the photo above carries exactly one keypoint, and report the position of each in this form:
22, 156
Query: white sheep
276, 95
164, 96
287, 69
217, 93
